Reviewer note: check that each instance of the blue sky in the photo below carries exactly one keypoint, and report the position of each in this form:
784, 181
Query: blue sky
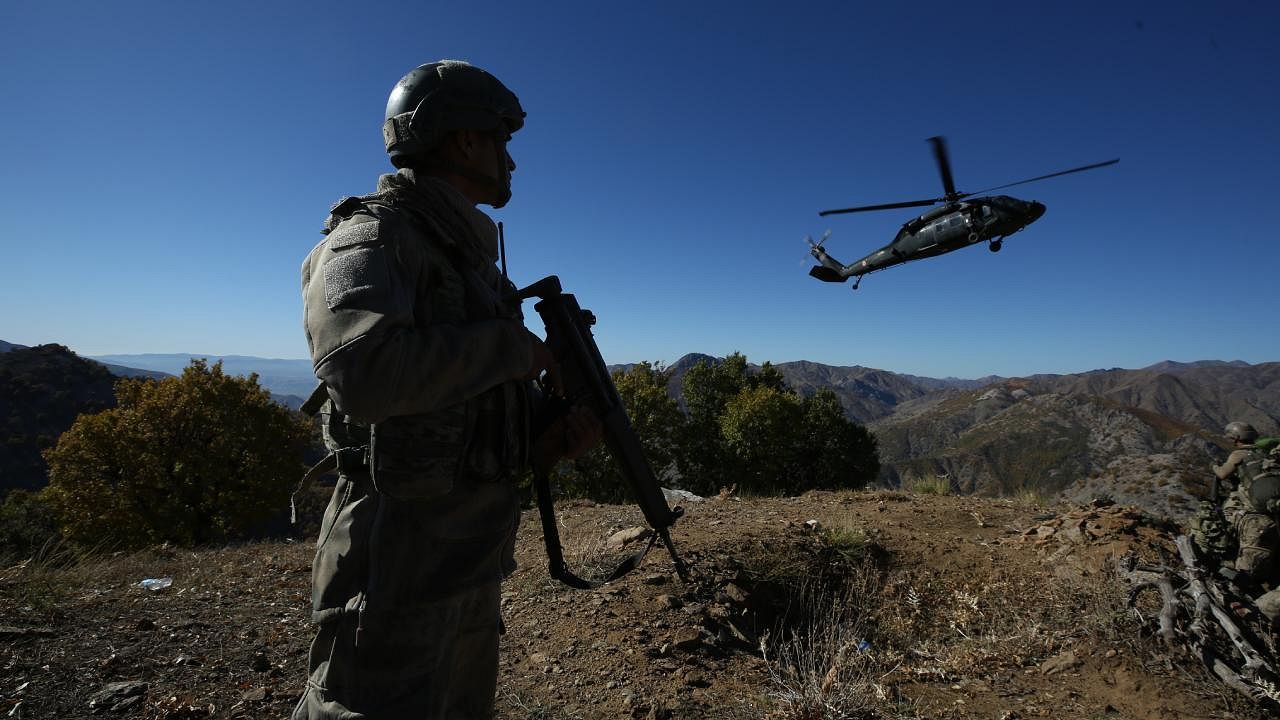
165, 166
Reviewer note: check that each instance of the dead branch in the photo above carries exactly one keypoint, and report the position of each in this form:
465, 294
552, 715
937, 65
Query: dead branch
1253, 661
1190, 592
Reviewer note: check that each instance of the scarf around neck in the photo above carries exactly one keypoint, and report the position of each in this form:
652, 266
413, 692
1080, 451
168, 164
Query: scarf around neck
442, 207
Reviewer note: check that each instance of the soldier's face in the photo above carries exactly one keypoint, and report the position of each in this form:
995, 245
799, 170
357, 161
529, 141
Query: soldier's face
489, 166
502, 166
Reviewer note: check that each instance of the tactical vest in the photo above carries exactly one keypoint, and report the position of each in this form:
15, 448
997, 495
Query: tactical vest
483, 439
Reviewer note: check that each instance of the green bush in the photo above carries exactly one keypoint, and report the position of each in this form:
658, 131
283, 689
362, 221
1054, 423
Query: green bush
752, 431
741, 429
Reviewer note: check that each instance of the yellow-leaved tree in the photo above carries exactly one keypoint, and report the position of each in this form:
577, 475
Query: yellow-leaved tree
200, 458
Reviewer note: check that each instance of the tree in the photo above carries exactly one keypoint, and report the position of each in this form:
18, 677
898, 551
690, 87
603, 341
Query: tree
837, 452
752, 430
704, 461
199, 458
762, 428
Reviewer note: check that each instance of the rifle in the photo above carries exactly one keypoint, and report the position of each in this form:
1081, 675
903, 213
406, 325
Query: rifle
587, 382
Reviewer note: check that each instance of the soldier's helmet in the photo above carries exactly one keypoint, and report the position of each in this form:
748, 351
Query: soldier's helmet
1241, 432
439, 97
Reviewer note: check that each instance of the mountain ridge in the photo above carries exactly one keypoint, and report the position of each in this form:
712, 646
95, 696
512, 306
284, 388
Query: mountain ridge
1149, 432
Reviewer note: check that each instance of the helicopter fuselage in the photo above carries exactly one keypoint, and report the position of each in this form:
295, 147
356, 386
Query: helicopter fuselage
941, 230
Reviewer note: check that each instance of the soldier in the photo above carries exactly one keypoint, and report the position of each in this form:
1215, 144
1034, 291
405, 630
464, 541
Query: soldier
1257, 536
427, 364
1213, 526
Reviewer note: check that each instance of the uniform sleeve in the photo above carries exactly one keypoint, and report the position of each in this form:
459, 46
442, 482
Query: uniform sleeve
1228, 468
378, 362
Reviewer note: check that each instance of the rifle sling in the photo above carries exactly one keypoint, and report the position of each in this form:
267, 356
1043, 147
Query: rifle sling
555, 555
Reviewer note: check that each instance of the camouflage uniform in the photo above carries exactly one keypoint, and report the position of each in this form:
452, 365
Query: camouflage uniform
1256, 533
1213, 527
411, 328
1249, 531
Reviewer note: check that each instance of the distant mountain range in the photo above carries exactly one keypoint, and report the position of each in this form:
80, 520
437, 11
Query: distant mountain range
283, 377
1145, 435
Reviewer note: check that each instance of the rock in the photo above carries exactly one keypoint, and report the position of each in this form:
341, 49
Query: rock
687, 639
114, 693
1060, 663
127, 704
735, 593
670, 602
256, 695
678, 496
693, 678
630, 535
812, 525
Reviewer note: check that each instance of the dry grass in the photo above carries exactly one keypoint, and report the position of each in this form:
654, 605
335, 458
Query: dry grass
927, 485
861, 648
825, 668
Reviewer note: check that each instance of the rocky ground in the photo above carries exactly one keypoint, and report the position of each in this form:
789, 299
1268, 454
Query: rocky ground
830, 605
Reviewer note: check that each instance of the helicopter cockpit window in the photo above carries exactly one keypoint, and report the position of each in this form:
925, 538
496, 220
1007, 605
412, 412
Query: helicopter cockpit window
957, 221
986, 211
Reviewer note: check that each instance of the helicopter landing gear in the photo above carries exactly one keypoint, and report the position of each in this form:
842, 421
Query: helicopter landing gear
996, 245
973, 238
857, 281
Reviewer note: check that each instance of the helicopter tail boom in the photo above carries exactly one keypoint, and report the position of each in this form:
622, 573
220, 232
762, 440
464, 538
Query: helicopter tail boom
826, 274
830, 270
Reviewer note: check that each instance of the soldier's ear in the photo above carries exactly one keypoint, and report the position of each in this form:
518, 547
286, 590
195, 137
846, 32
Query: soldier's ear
452, 146
468, 143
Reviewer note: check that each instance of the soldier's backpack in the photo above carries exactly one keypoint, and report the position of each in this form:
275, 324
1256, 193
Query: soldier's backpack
1260, 477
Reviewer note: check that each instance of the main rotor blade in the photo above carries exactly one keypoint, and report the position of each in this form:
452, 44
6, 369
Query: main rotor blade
889, 206
1046, 177
944, 165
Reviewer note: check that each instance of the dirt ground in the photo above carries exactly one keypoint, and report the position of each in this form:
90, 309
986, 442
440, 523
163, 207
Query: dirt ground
830, 605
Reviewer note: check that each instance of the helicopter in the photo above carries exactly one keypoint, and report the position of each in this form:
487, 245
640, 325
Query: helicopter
960, 221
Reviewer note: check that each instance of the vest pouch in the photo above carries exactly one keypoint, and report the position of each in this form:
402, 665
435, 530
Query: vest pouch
418, 457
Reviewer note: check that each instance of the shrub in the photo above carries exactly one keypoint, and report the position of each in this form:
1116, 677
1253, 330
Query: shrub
199, 458
27, 524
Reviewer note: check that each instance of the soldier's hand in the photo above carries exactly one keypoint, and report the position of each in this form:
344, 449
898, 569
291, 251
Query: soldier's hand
571, 435
541, 361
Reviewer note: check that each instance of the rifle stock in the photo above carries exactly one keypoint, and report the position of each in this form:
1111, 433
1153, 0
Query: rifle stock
587, 382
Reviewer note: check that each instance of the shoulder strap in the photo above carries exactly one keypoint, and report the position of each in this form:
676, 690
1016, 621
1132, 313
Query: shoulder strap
555, 554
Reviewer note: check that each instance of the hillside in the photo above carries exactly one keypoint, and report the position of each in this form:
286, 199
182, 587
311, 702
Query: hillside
42, 390
1206, 395
888, 605
1006, 440
1140, 436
